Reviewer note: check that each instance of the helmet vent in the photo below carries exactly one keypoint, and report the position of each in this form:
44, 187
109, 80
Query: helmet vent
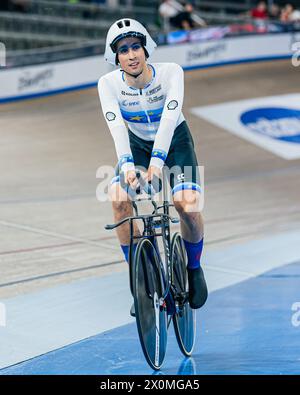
127, 22
120, 24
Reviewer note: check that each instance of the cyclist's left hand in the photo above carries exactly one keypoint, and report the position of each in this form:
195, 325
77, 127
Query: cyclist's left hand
153, 171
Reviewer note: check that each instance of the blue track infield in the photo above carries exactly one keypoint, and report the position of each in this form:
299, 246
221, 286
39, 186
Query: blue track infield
247, 328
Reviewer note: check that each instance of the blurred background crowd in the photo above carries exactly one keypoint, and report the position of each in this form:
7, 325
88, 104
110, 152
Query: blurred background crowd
179, 14
27, 25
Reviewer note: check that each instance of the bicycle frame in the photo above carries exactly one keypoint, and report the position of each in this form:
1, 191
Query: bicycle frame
150, 222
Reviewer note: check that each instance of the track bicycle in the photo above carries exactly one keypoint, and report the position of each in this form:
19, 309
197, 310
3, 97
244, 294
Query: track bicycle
159, 289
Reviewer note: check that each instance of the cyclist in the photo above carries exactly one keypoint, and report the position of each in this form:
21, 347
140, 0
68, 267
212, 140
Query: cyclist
149, 98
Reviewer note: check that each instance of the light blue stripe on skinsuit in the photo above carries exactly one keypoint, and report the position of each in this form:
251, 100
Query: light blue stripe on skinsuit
125, 159
186, 185
141, 116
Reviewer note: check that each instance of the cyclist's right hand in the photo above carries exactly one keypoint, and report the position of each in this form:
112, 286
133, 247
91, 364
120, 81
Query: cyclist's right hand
130, 178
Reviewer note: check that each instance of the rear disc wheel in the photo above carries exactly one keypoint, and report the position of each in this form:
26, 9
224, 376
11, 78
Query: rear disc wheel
184, 320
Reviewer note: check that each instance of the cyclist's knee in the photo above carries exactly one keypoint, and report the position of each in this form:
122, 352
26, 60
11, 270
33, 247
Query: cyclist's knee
121, 208
186, 201
119, 198
116, 192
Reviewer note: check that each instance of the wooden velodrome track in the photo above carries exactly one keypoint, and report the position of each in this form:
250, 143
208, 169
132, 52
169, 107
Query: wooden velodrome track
51, 224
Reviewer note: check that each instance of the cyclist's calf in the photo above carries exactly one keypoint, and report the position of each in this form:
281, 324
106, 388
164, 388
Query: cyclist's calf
187, 204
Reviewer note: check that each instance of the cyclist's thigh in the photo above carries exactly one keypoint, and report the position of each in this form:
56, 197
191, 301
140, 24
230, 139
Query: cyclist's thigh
141, 151
182, 161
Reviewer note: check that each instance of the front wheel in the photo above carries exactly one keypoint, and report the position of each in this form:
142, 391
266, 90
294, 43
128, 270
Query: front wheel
184, 319
150, 308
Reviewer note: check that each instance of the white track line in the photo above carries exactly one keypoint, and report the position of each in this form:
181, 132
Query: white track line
32, 229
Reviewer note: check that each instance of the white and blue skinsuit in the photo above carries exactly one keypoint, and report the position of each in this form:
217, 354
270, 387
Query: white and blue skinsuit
151, 113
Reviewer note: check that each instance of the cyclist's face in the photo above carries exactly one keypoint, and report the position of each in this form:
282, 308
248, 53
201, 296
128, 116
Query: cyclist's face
131, 55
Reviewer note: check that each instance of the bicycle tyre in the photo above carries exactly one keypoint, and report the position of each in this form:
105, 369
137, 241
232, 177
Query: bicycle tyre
184, 321
151, 316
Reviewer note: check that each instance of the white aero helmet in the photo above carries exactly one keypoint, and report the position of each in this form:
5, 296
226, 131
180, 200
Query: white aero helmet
126, 28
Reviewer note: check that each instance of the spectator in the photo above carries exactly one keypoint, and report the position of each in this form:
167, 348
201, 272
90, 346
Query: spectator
198, 21
295, 17
285, 13
184, 20
274, 12
290, 14
260, 11
167, 10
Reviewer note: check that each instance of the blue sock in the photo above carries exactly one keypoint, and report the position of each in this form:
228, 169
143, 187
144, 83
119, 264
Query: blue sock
125, 249
194, 251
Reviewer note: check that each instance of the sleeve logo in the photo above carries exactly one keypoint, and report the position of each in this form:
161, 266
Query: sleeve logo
172, 105
110, 116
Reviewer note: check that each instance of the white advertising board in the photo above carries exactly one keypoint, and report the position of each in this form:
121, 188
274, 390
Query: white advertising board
27, 82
